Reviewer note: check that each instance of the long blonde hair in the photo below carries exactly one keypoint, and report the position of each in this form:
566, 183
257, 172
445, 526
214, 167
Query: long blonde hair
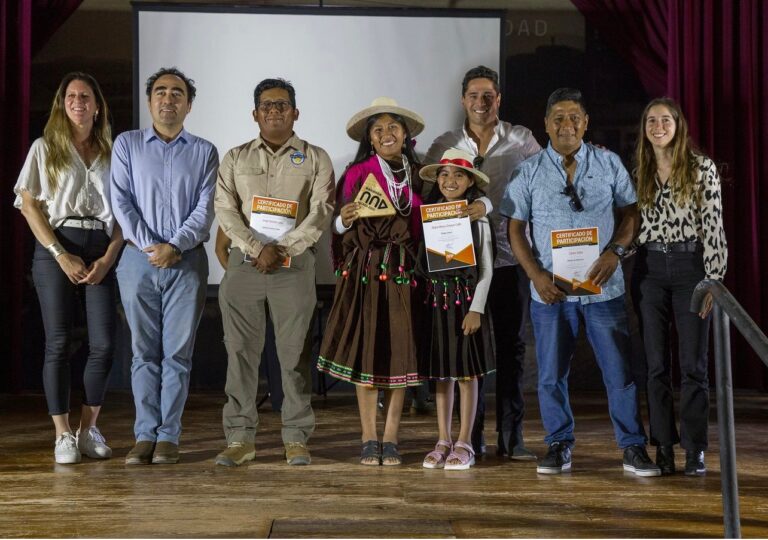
682, 179
58, 130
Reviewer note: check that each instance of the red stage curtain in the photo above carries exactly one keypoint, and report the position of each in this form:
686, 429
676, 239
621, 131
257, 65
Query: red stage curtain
25, 26
637, 30
712, 56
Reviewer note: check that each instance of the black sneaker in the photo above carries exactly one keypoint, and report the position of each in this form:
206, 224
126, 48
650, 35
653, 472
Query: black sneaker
636, 460
557, 460
665, 459
694, 463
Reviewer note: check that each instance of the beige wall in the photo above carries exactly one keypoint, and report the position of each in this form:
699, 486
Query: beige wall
528, 29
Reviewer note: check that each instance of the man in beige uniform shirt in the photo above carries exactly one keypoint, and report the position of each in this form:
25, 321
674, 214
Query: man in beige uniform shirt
280, 165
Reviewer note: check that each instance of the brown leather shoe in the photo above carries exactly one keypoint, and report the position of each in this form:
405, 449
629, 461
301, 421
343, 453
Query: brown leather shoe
165, 453
141, 454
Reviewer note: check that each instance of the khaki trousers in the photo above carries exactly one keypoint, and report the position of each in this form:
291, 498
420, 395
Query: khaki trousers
244, 296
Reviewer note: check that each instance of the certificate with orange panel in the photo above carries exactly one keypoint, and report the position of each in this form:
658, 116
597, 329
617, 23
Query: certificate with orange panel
447, 236
271, 219
574, 251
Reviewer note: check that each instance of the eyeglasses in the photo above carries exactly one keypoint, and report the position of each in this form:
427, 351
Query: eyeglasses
281, 106
575, 201
478, 162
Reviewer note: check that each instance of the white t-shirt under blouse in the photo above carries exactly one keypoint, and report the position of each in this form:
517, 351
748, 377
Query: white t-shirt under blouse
82, 192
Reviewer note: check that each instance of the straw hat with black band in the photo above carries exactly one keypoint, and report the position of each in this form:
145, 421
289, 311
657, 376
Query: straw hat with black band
383, 105
455, 158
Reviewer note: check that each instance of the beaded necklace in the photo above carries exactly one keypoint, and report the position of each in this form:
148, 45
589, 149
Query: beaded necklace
396, 187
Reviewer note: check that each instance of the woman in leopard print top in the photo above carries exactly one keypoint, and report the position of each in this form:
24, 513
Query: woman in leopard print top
681, 241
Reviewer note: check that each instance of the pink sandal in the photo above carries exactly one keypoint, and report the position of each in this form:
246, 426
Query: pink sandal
465, 460
438, 456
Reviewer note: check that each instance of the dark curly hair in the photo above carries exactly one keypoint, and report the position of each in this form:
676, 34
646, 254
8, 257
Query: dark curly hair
191, 90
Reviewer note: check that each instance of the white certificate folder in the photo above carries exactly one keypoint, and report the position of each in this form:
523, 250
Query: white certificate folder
271, 219
574, 251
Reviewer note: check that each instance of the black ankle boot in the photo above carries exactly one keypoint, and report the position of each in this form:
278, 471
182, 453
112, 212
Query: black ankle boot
665, 459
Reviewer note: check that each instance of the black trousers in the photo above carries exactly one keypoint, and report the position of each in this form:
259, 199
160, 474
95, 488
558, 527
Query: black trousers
58, 299
663, 284
509, 300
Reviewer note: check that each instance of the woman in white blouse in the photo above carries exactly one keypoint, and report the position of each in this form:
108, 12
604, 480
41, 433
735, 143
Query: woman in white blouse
63, 192
681, 242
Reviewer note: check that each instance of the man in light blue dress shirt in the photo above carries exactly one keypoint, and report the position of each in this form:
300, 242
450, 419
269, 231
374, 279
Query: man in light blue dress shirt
163, 182
572, 184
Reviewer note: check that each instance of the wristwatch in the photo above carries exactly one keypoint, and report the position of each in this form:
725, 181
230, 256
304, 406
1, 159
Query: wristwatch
619, 250
176, 250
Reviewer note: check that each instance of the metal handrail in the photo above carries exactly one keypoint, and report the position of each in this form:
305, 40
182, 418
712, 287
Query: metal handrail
725, 308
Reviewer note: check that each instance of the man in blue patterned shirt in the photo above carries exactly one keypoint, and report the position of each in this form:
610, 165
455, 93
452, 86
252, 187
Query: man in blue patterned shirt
571, 185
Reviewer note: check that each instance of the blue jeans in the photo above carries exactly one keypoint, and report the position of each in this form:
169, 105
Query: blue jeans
163, 307
555, 328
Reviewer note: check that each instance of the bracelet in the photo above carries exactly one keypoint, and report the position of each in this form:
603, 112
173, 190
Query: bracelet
56, 249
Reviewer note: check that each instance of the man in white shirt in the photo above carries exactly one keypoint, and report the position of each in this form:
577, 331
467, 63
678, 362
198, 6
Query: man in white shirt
499, 147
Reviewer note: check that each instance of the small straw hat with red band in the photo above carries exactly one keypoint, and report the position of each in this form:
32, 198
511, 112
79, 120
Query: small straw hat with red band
456, 158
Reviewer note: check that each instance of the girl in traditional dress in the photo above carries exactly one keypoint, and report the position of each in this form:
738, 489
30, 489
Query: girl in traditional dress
369, 338
455, 340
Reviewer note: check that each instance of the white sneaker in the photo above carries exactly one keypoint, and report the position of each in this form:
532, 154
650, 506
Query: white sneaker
93, 444
66, 449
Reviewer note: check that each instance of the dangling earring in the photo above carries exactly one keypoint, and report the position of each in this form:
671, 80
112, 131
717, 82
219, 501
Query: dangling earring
96, 116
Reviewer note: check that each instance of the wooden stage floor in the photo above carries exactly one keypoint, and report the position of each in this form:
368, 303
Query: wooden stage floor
336, 497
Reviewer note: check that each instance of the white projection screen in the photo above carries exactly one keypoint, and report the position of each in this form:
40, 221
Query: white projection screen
338, 60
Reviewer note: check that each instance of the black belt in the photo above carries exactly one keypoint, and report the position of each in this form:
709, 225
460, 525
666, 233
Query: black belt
677, 247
